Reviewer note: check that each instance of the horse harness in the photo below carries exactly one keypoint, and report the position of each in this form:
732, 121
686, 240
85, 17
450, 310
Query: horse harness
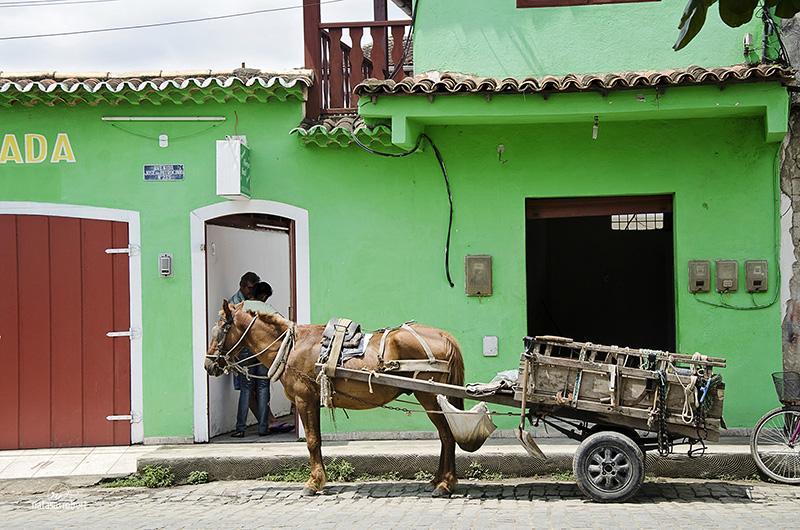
327, 370
278, 365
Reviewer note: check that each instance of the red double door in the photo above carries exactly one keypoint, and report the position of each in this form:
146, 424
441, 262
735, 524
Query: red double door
60, 294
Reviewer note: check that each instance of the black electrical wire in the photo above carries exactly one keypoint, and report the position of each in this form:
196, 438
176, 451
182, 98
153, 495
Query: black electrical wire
161, 24
54, 3
407, 45
443, 168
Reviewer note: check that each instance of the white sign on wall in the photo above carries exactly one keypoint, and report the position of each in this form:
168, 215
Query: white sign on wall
233, 168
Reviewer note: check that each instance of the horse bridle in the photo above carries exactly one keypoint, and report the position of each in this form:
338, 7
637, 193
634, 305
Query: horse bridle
287, 344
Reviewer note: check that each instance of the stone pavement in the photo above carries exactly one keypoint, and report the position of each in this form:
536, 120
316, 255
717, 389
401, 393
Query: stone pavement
521, 503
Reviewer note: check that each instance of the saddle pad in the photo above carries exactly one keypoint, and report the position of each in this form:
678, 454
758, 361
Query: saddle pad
347, 353
352, 337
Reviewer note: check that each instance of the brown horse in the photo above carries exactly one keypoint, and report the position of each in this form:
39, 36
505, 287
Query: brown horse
266, 334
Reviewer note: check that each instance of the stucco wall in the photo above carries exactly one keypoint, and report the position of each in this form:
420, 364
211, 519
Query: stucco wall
377, 227
498, 39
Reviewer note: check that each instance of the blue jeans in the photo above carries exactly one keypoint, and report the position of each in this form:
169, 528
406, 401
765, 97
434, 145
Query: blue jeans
261, 387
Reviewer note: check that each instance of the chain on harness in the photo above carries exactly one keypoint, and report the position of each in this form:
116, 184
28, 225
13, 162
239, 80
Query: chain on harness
664, 442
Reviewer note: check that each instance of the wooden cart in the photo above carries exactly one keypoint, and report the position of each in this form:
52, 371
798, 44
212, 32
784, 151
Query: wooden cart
618, 402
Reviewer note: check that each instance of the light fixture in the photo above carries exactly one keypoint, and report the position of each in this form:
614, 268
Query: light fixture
595, 127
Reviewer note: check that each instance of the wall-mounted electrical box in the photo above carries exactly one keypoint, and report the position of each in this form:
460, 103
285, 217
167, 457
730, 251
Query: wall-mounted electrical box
727, 276
233, 168
699, 276
478, 272
755, 274
490, 346
165, 264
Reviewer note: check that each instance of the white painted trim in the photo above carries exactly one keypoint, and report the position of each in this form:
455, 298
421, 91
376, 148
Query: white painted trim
135, 281
197, 225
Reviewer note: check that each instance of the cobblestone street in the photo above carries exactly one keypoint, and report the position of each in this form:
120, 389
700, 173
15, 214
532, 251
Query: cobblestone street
519, 504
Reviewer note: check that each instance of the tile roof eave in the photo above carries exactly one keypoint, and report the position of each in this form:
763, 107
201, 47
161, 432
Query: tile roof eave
455, 83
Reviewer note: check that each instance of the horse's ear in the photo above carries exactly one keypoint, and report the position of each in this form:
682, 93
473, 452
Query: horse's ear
226, 308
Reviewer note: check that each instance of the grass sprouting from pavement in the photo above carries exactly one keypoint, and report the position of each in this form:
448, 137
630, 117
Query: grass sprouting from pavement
150, 477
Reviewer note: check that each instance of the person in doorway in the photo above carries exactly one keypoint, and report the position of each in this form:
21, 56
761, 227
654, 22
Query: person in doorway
255, 383
261, 292
246, 284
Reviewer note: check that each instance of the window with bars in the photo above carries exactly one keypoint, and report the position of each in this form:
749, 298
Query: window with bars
637, 221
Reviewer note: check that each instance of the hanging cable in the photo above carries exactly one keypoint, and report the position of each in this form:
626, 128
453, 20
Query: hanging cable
409, 39
443, 169
169, 23
19, 5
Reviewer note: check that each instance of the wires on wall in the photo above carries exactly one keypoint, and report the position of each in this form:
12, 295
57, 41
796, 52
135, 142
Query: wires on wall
443, 169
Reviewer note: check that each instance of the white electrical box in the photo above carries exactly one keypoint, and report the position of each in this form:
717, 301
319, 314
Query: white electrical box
490, 346
165, 264
233, 168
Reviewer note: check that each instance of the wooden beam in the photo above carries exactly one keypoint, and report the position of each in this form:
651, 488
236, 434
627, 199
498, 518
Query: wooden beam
419, 385
381, 9
312, 18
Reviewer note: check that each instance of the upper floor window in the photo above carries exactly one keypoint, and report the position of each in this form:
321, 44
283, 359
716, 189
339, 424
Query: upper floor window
560, 3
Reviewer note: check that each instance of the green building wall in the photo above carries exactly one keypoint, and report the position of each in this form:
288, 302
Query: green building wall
498, 39
377, 226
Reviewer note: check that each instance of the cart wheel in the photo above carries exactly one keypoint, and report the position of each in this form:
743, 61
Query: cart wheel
609, 467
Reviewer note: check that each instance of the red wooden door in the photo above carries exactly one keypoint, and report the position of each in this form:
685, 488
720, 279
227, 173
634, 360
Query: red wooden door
61, 293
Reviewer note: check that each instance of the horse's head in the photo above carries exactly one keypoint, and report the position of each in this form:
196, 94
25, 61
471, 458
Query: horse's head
224, 336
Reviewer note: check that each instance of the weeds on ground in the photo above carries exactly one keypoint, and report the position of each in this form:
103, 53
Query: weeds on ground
476, 471
564, 476
150, 477
423, 476
197, 477
337, 470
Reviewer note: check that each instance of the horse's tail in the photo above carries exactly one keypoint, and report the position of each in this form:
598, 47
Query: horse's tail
456, 375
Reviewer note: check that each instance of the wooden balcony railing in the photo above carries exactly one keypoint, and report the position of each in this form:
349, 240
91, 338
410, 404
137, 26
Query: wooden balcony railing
340, 65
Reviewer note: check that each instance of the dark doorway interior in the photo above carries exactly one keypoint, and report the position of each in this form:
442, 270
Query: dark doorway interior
602, 270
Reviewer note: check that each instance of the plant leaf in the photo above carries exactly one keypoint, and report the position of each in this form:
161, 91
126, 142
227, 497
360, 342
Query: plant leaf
694, 16
736, 12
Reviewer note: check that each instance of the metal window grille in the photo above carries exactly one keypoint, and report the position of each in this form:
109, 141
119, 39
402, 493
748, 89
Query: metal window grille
637, 221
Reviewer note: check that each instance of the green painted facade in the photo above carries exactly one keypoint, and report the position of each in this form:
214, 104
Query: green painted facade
715, 151
498, 39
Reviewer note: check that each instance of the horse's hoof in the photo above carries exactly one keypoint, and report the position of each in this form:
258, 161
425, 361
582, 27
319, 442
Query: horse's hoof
441, 492
308, 492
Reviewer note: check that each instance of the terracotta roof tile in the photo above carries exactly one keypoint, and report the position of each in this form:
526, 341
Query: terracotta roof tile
453, 83
340, 129
54, 88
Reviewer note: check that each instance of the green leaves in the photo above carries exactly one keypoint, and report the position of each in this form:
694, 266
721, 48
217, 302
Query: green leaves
733, 12
694, 16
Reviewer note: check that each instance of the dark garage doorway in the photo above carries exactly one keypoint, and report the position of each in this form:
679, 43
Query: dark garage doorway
602, 270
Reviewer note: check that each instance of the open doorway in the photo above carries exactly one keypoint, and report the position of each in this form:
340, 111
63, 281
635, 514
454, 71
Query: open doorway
602, 270
236, 244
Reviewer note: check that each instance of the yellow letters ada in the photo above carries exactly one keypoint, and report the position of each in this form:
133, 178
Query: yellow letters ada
36, 149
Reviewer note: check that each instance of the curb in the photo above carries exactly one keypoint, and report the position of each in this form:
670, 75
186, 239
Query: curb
724, 466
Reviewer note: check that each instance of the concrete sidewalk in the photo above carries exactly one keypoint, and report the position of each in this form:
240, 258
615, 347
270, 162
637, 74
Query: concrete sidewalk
71, 461
729, 460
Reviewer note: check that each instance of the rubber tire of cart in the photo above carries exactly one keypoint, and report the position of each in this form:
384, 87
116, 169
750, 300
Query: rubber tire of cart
616, 442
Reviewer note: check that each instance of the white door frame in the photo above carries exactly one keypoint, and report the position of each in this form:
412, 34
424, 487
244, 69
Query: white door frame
197, 224
134, 280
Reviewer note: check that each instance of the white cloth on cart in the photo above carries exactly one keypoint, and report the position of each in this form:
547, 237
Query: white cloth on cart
470, 428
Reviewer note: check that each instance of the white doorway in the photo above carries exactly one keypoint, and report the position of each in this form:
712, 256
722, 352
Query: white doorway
236, 244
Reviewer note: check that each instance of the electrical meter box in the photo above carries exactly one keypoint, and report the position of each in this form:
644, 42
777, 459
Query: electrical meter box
727, 276
478, 272
755, 272
699, 276
233, 168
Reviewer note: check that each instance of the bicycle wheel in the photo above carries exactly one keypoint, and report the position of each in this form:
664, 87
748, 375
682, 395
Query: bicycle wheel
775, 445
